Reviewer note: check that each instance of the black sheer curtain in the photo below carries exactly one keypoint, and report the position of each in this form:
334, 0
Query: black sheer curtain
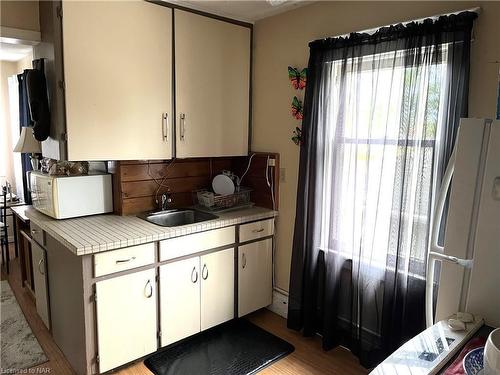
24, 120
381, 114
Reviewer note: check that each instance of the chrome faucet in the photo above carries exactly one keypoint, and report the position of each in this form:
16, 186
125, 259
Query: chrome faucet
165, 201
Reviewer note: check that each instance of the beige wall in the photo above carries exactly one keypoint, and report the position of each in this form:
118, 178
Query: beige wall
20, 15
282, 40
7, 68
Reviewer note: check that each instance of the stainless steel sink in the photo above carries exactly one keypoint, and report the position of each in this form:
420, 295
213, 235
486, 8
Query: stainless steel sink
177, 217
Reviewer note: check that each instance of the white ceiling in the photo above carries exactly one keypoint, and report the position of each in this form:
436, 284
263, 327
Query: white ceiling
243, 10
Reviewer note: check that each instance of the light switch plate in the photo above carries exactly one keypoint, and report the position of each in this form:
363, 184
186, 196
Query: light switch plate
496, 189
282, 175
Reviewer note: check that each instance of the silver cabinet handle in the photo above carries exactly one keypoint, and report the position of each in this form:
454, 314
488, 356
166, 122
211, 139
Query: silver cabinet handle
164, 126
203, 274
125, 260
40, 269
194, 275
182, 126
258, 230
243, 261
148, 293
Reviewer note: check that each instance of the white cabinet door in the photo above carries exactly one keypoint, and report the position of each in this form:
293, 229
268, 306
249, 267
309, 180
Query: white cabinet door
39, 263
217, 288
254, 276
179, 300
212, 69
118, 80
126, 318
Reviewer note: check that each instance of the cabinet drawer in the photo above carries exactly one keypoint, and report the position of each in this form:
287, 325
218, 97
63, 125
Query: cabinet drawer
37, 233
256, 230
124, 259
194, 243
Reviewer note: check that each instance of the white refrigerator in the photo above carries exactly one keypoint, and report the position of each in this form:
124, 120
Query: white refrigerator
470, 254
472, 227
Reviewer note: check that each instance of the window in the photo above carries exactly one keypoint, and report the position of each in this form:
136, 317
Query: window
380, 153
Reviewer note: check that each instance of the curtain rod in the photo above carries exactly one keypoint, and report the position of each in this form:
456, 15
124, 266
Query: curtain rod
476, 10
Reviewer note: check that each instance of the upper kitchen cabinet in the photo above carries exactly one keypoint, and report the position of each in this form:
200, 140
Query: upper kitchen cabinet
117, 80
111, 68
212, 74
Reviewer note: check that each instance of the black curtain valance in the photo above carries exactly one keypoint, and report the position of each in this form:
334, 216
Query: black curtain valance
452, 28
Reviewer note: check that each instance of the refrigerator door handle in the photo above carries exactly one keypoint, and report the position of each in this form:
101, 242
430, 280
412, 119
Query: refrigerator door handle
440, 203
431, 259
429, 290
434, 248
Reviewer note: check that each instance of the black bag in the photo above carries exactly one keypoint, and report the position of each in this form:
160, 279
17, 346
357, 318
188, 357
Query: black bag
38, 100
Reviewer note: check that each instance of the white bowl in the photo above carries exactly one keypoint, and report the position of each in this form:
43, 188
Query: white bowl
492, 353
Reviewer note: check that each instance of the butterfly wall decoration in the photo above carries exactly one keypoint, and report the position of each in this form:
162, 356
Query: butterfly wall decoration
297, 136
298, 79
297, 109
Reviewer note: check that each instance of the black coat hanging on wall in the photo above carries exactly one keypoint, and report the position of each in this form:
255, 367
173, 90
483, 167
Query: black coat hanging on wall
38, 100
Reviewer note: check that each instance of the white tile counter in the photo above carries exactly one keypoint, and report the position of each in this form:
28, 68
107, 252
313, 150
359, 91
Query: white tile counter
94, 234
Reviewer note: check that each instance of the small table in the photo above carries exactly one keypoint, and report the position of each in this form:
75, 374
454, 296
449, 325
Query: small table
23, 235
10, 205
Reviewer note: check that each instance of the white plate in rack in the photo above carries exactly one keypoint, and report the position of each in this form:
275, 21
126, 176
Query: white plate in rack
223, 185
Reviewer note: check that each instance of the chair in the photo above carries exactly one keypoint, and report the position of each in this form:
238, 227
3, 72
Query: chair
4, 235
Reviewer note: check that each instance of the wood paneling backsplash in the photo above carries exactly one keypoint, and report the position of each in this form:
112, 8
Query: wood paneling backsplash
136, 183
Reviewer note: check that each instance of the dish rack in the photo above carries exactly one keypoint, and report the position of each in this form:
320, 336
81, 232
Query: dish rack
214, 201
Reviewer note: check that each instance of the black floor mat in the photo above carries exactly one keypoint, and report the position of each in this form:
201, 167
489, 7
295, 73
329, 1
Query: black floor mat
237, 347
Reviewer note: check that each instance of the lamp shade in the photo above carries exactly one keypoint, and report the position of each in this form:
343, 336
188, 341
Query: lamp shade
27, 143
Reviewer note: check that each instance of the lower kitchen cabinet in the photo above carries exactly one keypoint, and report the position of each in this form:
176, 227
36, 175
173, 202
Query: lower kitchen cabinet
114, 307
254, 276
126, 318
217, 288
196, 294
39, 265
179, 300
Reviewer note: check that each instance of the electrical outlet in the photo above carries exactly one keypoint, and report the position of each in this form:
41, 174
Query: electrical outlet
271, 162
282, 175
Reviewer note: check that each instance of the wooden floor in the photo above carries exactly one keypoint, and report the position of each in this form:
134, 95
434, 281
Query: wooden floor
308, 357
57, 363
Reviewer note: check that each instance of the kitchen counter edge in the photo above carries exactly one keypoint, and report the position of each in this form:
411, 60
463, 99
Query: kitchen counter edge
99, 233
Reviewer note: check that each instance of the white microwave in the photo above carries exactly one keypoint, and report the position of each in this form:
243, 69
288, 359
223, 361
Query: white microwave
63, 197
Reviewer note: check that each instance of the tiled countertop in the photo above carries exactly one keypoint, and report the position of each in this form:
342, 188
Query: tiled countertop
94, 234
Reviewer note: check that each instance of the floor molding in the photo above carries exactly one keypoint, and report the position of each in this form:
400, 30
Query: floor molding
280, 304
